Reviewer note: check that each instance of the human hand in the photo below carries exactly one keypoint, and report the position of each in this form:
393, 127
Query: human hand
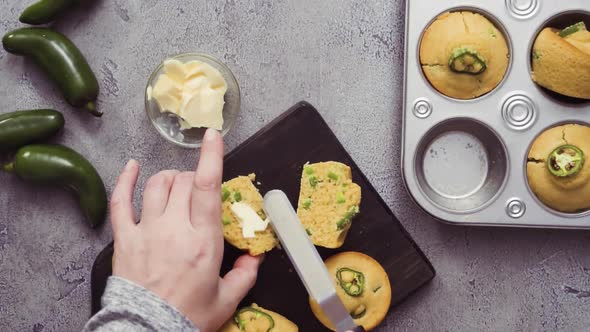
177, 248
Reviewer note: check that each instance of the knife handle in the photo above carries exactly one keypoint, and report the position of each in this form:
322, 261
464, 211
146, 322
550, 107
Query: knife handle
358, 329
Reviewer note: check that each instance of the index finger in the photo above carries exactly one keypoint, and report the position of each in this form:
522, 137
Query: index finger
122, 212
206, 191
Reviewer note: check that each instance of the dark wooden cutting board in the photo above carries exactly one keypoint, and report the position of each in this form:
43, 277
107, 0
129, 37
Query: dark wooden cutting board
277, 154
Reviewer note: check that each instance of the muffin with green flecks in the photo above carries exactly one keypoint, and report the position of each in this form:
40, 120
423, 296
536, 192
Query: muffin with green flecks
328, 201
241, 213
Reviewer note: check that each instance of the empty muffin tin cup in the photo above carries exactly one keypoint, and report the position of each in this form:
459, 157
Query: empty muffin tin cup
461, 165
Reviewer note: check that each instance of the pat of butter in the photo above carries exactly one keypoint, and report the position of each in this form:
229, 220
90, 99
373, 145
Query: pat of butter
194, 91
250, 221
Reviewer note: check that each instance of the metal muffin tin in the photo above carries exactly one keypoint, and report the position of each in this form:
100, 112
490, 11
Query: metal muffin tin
464, 161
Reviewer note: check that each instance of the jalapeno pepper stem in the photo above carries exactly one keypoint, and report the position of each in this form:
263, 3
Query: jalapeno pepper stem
8, 167
91, 107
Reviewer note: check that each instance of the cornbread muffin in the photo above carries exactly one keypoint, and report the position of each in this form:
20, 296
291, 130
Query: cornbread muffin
328, 201
257, 319
363, 286
463, 55
242, 190
561, 60
558, 169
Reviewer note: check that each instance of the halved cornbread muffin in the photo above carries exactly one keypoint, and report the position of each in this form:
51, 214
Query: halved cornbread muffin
242, 214
328, 200
561, 60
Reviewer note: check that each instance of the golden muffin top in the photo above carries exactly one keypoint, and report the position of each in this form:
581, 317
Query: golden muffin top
463, 55
558, 168
363, 286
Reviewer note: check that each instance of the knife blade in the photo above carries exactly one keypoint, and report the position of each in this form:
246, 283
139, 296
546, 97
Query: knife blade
306, 260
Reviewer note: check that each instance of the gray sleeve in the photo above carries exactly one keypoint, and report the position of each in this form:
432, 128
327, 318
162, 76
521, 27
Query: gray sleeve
130, 307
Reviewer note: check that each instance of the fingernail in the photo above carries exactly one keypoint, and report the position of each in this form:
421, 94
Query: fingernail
130, 165
210, 134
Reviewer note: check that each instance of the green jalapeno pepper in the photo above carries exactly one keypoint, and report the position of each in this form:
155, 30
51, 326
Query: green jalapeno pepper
313, 181
351, 281
62, 166
340, 198
467, 61
572, 29
225, 194
225, 220
249, 315
23, 127
237, 196
307, 203
333, 176
347, 219
61, 60
566, 160
45, 11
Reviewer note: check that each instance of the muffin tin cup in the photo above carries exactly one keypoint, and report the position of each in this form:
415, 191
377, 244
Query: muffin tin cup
499, 126
494, 20
461, 165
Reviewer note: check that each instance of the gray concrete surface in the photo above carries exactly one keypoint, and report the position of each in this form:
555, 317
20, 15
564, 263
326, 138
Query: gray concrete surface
345, 57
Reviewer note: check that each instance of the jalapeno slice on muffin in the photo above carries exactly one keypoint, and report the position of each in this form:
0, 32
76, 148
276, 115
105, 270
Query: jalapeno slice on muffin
254, 318
566, 160
351, 281
467, 61
249, 315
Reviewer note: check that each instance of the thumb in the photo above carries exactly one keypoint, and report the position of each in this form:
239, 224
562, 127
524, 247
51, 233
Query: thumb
237, 283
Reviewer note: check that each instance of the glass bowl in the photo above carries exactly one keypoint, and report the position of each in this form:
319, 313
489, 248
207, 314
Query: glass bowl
168, 124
